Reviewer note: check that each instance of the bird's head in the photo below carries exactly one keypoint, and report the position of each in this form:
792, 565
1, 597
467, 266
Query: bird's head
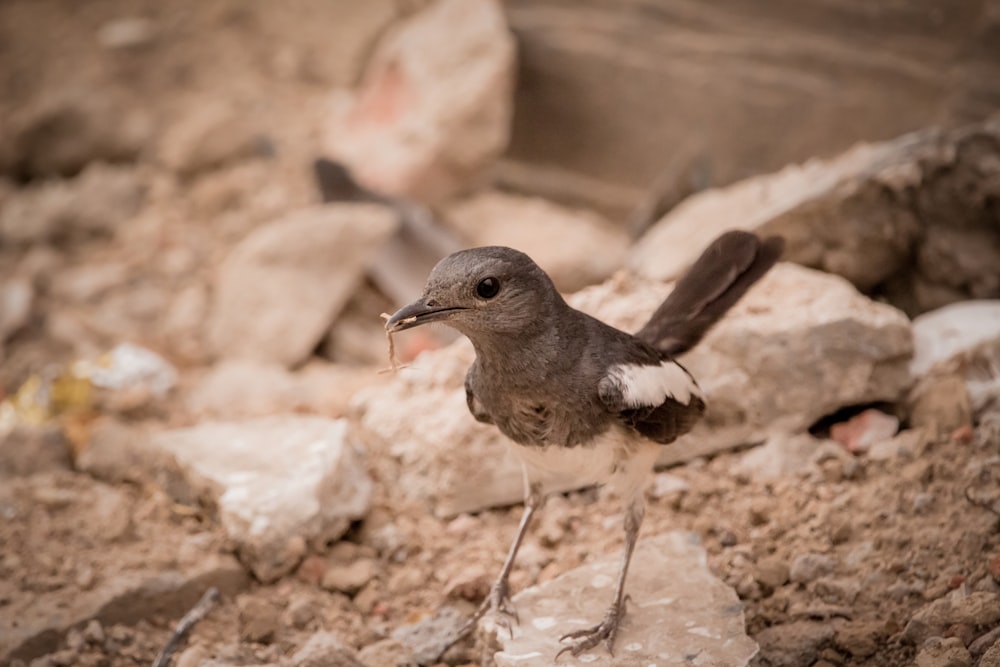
482, 292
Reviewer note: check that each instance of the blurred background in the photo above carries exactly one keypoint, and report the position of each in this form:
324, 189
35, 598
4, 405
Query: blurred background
206, 205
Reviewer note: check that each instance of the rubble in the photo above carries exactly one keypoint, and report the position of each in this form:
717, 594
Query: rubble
303, 269
279, 483
208, 137
678, 609
431, 115
864, 430
977, 609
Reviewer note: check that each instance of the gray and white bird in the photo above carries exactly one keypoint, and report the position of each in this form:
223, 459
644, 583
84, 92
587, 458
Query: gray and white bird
576, 396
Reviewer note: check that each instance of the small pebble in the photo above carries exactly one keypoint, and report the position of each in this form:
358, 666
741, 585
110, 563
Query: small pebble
994, 568
810, 566
93, 632
922, 502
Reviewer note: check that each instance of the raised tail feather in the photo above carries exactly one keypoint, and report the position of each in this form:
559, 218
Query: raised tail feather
713, 284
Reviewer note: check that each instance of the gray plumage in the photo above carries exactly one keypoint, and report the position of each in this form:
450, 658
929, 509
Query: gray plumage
576, 395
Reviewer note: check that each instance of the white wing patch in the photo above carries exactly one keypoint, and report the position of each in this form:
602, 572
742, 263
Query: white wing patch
651, 385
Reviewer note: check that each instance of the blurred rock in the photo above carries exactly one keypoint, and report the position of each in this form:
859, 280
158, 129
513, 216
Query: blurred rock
86, 282
27, 450
908, 218
98, 202
799, 346
940, 652
113, 452
976, 609
909, 443
294, 275
259, 619
793, 644
208, 137
278, 483
434, 108
575, 247
350, 577
66, 131
670, 617
183, 330
126, 33
991, 658
325, 649
865, 429
428, 638
810, 566
962, 339
781, 456
16, 297
387, 653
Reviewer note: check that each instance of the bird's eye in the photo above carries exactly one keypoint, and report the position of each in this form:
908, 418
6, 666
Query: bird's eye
488, 288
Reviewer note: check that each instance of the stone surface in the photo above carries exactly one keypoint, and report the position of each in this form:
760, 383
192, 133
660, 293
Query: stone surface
575, 247
793, 644
98, 202
940, 403
941, 652
323, 650
991, 658
904, 218
810, 566
278, 483
16, 297
976, 609
783, 456
386, 653
125, 598
799, 346
434, 107
428, 638
962, 339
678, 610
862, 431
26, 450
302, 270
208, 137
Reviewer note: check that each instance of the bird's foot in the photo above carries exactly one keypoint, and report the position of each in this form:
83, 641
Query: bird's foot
498, 604
588, 638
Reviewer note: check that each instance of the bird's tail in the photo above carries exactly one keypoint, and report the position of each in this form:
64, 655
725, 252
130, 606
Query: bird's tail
713, 284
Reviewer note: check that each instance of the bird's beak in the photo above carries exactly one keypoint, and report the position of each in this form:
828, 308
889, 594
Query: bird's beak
417, 313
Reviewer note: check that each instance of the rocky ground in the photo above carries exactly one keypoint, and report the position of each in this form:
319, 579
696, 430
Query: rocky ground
191, 353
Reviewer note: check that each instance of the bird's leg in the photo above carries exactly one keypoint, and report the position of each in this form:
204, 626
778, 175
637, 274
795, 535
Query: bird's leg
608, 628
498, 600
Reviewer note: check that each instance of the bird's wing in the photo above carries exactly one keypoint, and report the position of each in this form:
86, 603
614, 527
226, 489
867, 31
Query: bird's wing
659, 399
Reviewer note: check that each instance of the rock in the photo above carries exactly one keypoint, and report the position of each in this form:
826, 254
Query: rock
961, 339
387, 653
903, 217
434, 108
991, 658
793, 644
259, 619
771, 573
16, 297
278, 483
976, 609
861, 432
351, 577
98, 202
127, 597
208, 137
323, 650
303, 269
113, 452
810, 566
939, 404
575, 247
27, 450
993, 567
670, 617
126, 33
427, 639
781, 456
798, 347
910, 444
243, 387
302, 610
860, 638
941, 652
66, 131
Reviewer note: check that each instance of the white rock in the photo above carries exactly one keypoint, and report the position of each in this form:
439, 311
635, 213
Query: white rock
435, 105
280, 288
962, 338
783, 455
678, 609
126, 33
278, 483
575, 247
16, 297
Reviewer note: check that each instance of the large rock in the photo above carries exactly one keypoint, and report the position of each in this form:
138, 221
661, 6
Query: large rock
280, 288
909, 218
575, 247
962, 339
279, 483
801, 345
975, 609
678, 609
434, 108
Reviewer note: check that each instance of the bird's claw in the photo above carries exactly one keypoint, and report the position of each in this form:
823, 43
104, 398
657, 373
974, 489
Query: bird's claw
588, 638
497, 603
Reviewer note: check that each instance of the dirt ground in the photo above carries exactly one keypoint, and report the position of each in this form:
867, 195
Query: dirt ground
890, 535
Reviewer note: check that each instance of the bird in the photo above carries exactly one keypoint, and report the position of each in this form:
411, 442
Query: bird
575, 396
